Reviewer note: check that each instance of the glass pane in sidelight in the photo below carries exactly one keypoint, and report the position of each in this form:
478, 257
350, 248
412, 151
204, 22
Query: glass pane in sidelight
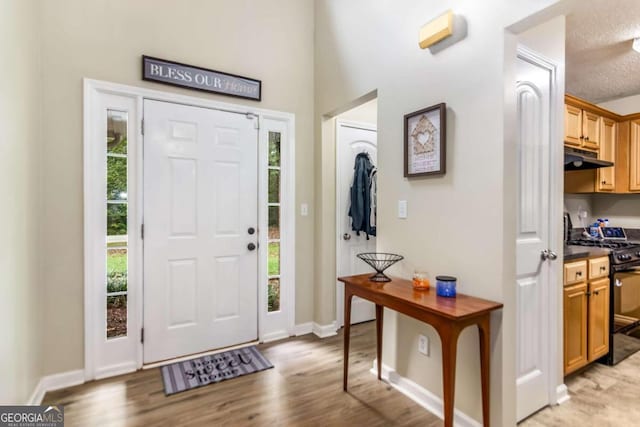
274, 259
116, 219
116, 270
116, 178
273, 293
117, 132
274, 148
274, 222
274, 186
116, 316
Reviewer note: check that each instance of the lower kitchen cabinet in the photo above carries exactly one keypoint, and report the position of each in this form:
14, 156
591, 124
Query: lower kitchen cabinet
598, 319
575, 327
586, 313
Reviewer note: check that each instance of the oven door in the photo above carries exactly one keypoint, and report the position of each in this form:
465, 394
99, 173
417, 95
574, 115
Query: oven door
625, 322
626, 300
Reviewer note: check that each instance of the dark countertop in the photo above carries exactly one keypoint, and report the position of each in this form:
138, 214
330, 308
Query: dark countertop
577, 252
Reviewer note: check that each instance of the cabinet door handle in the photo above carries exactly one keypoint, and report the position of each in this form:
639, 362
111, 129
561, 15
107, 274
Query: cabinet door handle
586, 138
596, 292
588, 293
604, 182
603, 268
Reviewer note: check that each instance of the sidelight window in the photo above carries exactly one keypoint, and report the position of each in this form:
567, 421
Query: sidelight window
116, 232
273, 291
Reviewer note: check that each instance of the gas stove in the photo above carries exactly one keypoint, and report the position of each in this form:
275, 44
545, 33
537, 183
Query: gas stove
623, 254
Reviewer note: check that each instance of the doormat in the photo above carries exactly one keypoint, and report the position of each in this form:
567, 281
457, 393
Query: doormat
205, 370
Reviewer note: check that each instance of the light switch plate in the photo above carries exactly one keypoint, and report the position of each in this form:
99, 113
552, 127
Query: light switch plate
402, 209
304, 209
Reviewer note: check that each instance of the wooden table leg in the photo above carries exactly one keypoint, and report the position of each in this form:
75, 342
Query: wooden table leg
347, 332
449, 337
379, 319
484, 329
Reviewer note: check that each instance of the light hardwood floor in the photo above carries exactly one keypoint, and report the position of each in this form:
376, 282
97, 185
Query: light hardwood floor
601, 396
304, 388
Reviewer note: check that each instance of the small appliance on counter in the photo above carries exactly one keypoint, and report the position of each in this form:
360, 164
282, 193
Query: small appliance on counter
567, 227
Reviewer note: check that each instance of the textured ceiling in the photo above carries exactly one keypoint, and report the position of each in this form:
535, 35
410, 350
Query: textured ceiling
600, 62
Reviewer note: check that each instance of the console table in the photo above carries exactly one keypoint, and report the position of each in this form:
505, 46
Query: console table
449, 316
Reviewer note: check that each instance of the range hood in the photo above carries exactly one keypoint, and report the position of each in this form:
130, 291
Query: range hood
577, 160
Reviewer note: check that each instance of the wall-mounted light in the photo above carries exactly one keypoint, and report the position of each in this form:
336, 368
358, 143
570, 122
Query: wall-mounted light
636, 44
436, 30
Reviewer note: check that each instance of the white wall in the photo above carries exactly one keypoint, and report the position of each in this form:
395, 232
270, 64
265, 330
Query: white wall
623, 106
363, 46
365, 113
105, 39
21, 289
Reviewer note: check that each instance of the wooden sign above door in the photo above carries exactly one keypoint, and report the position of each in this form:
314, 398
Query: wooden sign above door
198, 78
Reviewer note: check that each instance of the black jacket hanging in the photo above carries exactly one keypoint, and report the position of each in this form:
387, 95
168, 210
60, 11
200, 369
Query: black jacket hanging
360, 209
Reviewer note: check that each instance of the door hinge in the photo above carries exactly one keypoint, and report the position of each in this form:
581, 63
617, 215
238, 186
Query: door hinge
142, 126
142, 335
142, 231
256, 123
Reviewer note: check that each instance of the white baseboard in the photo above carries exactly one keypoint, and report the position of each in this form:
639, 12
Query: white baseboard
422, 396
275, 336
324, 331
55, 382
562, 394
303, 329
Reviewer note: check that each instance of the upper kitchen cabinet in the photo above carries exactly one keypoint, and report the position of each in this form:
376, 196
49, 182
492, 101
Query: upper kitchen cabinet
634, 156
582, 124
590, 130
572, 125
606, 177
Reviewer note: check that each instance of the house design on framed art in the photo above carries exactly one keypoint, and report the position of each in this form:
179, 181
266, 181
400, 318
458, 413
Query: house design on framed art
425, 142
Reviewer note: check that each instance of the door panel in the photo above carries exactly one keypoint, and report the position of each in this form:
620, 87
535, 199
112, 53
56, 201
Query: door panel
591, 130
607, 176
532, 237
575, 327
598, 319
572, 125
200, 186
351, 141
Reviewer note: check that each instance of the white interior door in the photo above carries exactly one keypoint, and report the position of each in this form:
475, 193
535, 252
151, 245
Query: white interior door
533, 237
200, 199
352, 139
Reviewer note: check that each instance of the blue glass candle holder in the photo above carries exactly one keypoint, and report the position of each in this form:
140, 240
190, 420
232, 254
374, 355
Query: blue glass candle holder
446, 286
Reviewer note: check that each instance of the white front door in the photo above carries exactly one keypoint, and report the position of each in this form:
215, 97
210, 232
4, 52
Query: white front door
352, 139
200, 200
533, 237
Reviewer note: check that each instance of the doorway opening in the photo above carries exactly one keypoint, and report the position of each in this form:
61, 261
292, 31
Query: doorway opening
356, 142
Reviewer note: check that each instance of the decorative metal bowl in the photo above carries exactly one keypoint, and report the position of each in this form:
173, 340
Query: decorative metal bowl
380, 261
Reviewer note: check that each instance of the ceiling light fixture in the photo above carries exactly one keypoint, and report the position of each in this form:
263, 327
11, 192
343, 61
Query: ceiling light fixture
636, 44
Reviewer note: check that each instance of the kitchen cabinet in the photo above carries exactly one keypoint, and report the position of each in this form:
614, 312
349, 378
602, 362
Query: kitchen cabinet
634, 155
575, 327
572, 125
581, 128
586, 312
606, 177
598, 314
590, 130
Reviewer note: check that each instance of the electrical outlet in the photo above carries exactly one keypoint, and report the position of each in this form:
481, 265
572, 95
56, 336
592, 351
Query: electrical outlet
304, 209
423, 345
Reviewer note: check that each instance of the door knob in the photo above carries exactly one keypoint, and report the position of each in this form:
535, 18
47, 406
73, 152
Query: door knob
548, 255
251, 230
251, 246
346, 236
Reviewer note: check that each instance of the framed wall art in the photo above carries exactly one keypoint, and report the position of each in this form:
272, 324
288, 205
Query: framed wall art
425, 142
